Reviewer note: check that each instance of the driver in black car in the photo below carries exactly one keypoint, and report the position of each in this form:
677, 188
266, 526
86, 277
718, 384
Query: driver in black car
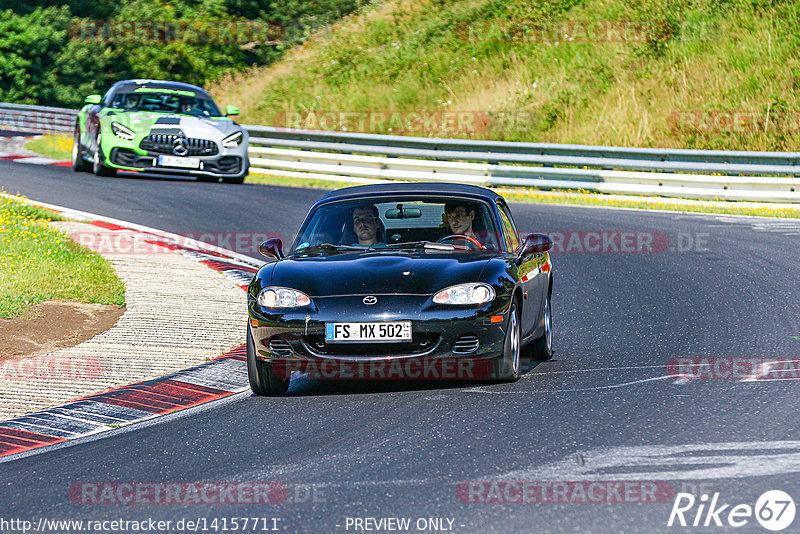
460, 217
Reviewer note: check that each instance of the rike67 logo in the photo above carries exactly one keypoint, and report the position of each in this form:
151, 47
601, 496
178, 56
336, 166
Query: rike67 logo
774, 510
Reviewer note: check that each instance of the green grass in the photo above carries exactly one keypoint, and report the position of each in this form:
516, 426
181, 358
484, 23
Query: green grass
39, 263
734, 62
52, 146
573, 198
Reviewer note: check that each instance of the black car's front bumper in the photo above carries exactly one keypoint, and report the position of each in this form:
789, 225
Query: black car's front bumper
444, 335
224, 166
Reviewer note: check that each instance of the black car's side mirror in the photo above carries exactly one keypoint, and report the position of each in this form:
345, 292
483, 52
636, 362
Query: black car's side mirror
536, 243
272, 248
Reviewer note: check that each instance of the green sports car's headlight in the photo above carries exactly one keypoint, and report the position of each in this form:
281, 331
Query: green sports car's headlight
122, 131
232, 141
474, 293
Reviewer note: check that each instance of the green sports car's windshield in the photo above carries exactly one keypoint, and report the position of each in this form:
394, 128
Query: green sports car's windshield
166, 102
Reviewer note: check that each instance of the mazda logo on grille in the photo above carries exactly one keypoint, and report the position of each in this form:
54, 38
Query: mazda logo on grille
180, 147
370, 300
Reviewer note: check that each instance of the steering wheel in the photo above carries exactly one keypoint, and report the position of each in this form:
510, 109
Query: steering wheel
469, 239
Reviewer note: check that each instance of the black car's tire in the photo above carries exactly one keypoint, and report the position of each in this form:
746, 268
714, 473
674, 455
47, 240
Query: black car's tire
98, 167
78, 163
263, 380
507, 367
542, 348
233, 180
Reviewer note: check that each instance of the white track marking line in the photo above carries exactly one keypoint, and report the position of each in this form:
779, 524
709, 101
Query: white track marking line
613, 386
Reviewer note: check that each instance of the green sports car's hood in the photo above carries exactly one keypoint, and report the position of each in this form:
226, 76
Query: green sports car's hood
143, 122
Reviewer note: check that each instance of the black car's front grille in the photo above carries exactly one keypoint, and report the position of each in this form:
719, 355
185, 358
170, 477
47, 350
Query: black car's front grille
279, 346
165, 144
420, 344
466, 344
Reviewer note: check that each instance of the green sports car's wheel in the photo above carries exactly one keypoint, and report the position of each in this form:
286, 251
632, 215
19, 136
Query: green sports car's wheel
78, 163
263, 380
98, 167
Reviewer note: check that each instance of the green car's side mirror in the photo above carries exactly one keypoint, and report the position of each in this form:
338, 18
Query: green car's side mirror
231, 110
93, 99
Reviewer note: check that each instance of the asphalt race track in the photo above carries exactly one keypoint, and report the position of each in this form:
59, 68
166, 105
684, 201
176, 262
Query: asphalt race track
605, 409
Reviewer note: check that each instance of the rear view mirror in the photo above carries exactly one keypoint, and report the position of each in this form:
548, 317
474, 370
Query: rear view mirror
272, 248
536, 243
93, 99
403, 213
231, 110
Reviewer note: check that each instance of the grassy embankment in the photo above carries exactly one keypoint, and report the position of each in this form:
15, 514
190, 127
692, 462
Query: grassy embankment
711, 74
655, 64
52, 146
38, 263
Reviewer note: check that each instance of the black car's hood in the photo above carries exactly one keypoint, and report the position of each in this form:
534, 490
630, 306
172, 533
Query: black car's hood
378, 273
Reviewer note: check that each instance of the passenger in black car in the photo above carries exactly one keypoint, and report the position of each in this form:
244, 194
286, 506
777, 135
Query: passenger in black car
366, 224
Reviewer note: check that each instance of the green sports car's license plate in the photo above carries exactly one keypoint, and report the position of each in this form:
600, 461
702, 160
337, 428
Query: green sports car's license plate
178, 161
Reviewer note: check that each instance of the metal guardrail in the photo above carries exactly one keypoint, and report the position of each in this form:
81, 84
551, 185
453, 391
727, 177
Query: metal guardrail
368, 158
36, 119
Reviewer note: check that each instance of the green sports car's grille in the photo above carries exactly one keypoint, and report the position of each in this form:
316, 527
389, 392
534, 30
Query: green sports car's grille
178, 145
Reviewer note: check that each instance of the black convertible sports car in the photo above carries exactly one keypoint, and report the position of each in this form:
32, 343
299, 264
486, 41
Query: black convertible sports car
402, 280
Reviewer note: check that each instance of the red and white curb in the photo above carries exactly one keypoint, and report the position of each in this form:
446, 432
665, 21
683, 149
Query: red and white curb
34, 160
221, 377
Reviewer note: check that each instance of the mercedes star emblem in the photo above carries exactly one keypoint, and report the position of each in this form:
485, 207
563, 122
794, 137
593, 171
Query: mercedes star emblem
180, 147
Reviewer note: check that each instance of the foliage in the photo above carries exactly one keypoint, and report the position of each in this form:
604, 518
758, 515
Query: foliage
55, 53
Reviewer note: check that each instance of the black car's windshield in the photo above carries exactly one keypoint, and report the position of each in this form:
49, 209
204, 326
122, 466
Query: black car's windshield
173, 101
441, 224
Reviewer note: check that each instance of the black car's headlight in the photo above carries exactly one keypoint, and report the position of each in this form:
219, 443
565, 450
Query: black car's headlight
233, 140
122, 131
282, 297
472, 293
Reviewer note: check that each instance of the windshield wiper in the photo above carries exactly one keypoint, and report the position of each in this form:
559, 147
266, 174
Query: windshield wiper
431, 245
330, 247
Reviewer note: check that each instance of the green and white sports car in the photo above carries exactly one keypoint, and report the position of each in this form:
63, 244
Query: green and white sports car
161, 127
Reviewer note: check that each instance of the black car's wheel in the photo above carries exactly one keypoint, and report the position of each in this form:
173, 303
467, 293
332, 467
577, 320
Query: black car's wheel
98, 167
263, 380
507, 368
78, 163
542, 348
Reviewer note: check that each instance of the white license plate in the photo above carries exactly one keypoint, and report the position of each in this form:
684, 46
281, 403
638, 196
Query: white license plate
177, 161
398, 331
